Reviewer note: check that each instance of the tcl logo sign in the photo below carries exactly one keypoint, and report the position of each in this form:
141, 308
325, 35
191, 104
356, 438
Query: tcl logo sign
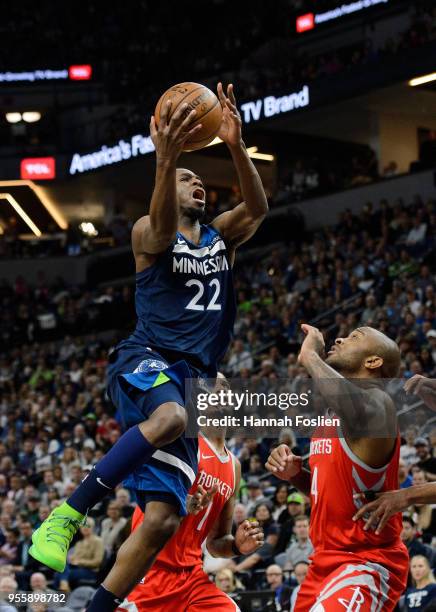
38, 168
80, 73
305, 22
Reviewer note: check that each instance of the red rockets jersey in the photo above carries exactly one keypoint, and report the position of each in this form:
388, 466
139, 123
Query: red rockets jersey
184, 548
336, 475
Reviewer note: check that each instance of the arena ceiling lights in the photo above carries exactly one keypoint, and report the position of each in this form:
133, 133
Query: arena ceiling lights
27, 117
253, 152
41, 195
422, 80
21, 212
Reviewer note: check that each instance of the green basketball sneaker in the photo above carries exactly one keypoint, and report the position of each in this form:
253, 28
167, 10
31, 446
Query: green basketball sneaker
51, 541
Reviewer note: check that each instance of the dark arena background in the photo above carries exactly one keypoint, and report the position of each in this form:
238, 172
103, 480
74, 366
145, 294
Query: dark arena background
338, 109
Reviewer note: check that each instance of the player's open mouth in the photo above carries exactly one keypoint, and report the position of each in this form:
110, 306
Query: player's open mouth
199, 194
331, 351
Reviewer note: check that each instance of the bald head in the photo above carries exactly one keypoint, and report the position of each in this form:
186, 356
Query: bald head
387, 349
367, 353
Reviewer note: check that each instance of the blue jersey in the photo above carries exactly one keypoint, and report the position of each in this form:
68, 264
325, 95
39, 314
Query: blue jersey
417, 599
185, 301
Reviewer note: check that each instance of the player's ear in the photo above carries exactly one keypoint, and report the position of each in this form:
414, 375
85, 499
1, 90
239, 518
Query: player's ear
373, 362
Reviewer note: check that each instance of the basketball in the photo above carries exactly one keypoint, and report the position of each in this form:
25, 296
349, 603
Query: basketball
199, 98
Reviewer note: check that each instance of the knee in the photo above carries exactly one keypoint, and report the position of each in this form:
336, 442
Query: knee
178, 420
161, 528
166, 424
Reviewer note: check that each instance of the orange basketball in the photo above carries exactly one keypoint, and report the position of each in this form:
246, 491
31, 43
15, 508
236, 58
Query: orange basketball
204, 101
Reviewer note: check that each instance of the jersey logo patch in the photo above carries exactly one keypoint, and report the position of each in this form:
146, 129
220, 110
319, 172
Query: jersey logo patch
148, 365
354, 604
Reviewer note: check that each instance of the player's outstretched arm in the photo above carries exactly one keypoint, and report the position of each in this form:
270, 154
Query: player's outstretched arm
359, 409
424, 388
153, 233
248, 538
239, 224
285, 465
390, 502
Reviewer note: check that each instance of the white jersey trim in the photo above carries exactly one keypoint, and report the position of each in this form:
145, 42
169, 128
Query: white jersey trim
178, 463
201, 251
358, 461
222, 459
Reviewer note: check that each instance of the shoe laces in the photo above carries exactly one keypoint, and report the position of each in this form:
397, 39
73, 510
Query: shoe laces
60, 521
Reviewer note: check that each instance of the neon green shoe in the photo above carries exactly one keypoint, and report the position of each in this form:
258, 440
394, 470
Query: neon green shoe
52, 539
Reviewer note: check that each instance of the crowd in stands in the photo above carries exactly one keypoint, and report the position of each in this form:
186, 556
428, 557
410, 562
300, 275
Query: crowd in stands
56, 420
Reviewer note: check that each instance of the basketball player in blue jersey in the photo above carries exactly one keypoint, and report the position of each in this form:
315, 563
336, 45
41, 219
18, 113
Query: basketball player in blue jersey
186, 308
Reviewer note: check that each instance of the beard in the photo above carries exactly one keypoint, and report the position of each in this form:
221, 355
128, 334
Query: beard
194, 213
334, 362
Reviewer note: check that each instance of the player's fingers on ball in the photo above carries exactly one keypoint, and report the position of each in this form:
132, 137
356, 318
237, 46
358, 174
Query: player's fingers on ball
178, 116
188, 120
165, 111
232, 107
231, 94
220, 92
192, 132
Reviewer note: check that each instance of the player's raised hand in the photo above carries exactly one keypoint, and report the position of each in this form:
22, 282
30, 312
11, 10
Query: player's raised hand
424, 388
283, 463
172, 132
200, 499
313, 343
249, 537
230, 129
381, 509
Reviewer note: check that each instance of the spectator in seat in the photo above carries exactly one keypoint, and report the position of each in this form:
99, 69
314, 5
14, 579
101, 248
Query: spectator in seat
226, 581
239, 516
280, 501
38, 583
423, 591
299, 573
295, 507
240, 358
255, 495
414, 546
282, 592
111, 526
8, 552
123, 499
84, 561
301, 548
25, 563
425, 461
7, 585
417, 233
404, 478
